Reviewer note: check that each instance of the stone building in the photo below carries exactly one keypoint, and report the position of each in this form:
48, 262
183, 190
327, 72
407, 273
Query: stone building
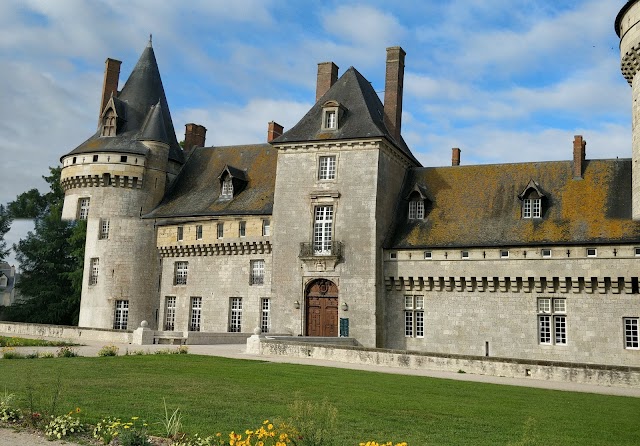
8, 278
333, 228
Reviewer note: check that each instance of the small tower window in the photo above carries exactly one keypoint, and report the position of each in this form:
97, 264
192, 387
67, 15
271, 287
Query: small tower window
330, 119
331, 111
227, 188
109, 123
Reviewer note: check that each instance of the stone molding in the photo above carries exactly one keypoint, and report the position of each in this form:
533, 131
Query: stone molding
214, 249
80, 181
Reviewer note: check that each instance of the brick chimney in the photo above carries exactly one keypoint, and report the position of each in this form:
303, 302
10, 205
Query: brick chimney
194, 136
579, 155
393, 84
274, 131
110, 83
455, 156
327, 76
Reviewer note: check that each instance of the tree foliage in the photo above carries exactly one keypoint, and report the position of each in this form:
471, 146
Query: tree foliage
51, 259
5, 225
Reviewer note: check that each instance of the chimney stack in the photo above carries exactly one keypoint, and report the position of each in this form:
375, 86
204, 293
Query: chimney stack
579, 155
327, 76
393, 84
274, 131
455, 156
110, 83
194, 136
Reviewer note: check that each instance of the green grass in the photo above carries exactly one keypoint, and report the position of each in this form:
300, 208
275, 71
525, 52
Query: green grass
218, 394
8, 341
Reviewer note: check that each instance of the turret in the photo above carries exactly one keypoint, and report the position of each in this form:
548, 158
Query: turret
119, 174
627, 27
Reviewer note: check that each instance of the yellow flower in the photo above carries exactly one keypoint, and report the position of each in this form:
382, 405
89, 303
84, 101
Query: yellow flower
134, 418
77, 410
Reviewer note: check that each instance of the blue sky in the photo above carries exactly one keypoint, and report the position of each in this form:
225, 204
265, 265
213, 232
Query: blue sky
504, 80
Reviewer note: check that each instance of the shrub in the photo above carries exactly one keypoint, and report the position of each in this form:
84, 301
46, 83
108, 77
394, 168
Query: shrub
11, 353
108, 350
67, 352
63, 425
46, 355
8, 413
182, 350
32, 355
315, 423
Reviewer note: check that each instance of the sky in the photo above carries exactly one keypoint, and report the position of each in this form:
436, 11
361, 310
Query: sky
503, 80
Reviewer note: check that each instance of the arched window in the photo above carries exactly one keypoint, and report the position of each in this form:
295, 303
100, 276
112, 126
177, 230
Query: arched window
109, 123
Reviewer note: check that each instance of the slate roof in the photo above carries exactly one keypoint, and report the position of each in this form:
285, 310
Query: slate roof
478, 206
196, 190
362, 118
142, 91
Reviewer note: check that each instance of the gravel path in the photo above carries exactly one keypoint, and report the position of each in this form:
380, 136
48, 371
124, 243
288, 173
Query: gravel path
13, 437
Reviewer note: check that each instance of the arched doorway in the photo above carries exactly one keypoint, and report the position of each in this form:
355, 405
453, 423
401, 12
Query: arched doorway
321, 299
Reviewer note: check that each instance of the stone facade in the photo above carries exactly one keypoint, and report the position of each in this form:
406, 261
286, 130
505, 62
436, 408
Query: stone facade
334, 229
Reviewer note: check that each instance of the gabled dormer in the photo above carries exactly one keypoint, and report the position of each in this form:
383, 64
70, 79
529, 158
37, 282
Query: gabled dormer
532, 198
418, 202
232, 182
112, 118
332, 113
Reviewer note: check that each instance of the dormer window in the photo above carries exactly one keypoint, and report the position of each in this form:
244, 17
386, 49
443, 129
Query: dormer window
109, 123
227, 189
416, 209
531, 198
331, 115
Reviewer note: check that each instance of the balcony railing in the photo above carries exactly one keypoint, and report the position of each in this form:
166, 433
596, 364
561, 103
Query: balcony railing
312, 250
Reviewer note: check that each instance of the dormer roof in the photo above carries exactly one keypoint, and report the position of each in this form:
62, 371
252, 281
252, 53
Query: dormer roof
142, 95
233, 172
532, 185
363, 115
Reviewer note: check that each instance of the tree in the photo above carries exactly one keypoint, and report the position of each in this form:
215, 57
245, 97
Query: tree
51, 259
5, 225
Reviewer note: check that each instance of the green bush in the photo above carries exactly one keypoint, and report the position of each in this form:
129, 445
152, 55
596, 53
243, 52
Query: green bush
108, 350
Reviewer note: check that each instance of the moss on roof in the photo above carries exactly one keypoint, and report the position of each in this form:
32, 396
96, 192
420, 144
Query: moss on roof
476, 206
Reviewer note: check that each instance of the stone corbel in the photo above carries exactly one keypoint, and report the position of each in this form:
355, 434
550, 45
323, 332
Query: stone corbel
602, 286
588, 285
538, 283
527, 284
628, 285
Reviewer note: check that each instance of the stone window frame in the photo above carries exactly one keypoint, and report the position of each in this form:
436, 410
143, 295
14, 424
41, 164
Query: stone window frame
331, 115
220, 230
84, 204
198, 232
504, 253
464, 255
242, 228
545, 253
120, 314
195, 313
104, 229
428, 255
631, 333
416, 209
531, 197
180, 233
323, 226
170, 305
181, 272
257, 272
265, 315
109, 123
327, 167
414, 316
552, 321
591, 252
94, 270
226, 190
266, 227
235, 315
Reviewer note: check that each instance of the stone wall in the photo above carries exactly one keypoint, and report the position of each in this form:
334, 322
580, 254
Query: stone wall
512, 368
65, 332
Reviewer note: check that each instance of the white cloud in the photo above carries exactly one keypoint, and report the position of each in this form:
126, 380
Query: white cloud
363, 26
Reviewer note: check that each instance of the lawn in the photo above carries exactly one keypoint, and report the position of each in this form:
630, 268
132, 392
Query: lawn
219, 394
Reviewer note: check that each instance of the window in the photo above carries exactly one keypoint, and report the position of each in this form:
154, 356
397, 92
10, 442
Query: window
631, 332
265, 318
322, 229
109, 123
198, 232
242, 229
428, 255
414, 316
95, 158
123, 159
227, 188
83, 208
170, 313
546, 253
393, 255
327, 168
235, 315
636, 252
592, 252
121, 315
416, 209
266, 228
504, 254
552, 321
464, 254
330, 121
94, 266
196, 314
181, 273
180, 234
220, 230
532, 208
3, 281
257, 272
104, 229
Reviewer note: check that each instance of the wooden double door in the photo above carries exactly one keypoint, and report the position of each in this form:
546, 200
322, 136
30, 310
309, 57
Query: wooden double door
322, 308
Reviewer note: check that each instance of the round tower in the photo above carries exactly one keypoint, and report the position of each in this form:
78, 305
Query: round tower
628, 29
112, 180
